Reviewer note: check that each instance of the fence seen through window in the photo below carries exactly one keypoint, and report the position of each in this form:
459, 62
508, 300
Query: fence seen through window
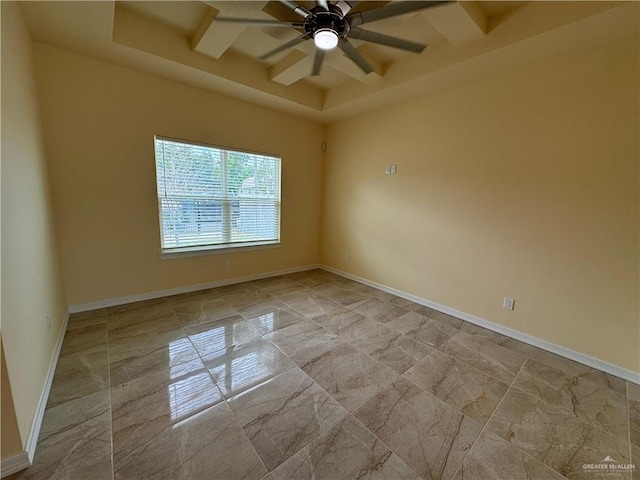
211, 196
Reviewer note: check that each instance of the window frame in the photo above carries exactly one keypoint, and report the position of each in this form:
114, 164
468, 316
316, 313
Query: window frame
216, 248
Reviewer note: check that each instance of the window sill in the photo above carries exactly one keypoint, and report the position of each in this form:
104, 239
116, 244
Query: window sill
173, 253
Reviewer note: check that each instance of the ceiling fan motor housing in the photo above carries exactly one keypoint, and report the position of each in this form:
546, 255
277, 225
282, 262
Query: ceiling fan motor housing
326, 20
331, 24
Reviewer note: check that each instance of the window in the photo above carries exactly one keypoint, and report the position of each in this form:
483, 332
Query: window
210, 197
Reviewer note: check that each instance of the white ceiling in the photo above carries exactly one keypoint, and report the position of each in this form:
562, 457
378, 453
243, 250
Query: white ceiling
182, 41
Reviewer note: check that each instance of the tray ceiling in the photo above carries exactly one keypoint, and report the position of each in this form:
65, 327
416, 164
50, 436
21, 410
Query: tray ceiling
182, 40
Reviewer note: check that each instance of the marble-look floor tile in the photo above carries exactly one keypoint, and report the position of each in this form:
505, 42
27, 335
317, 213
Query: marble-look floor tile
129, 362
366, 289
86, 319
207, 292
247, 297
136, 306
201, 295
243, 366
381, 294
79, 375
463, 387
303, 341
134, 314
221, 334
346, 323
87, 468
169, 347
171, 419
191, 312
404, 303
277, 284
147, 405
498, 339
347, 297
75, 439
292, 294
311, 281
554, 436
597, 405
440, 317
314, 305
390, 315
270, 319
349, 375
374, 307
634, 422
634, 425
208, 445
256, 309
494, 458
576, 369
421, 328
84, 339
347, 450
283, 415
635, 460
330, 288
633, 391
148, 328
429, 435
231, 289
486, 356
391, 348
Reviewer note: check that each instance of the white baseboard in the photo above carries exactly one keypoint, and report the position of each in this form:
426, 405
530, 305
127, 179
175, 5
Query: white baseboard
14, 464
34, 431
113, 302
588, 360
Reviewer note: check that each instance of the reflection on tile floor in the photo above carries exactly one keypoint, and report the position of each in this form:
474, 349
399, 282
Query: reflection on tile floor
311, 375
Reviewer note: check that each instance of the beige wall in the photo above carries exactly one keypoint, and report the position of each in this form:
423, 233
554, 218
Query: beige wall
31, 279
99, 122
522, 185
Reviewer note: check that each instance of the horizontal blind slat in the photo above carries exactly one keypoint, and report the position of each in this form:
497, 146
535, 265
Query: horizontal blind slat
194, 206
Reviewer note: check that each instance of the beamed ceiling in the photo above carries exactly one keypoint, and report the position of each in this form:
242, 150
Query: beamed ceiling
467, 41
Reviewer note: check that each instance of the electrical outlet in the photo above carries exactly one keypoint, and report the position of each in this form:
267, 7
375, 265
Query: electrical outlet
227, 262
508, 302
394, 169
47, 321
346, 257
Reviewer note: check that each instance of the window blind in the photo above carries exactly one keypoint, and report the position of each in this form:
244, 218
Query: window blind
210, 196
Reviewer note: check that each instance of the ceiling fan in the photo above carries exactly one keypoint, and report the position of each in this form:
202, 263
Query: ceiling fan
331, 25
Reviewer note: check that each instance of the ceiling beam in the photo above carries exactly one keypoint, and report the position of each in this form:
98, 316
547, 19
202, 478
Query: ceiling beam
343, 64
295, 66
213, 38
299, 63
459, 22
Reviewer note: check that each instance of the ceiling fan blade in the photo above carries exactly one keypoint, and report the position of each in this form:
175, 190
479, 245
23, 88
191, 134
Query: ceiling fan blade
317, 62
391, 10
299, 9
355, 57
323, 3
346, 6
255, 21
387, 40
284, 46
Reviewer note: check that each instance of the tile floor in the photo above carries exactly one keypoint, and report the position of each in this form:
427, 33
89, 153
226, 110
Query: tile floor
311, 375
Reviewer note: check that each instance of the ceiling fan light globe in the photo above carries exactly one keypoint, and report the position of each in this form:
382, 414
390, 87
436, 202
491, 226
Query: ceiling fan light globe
326, 39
